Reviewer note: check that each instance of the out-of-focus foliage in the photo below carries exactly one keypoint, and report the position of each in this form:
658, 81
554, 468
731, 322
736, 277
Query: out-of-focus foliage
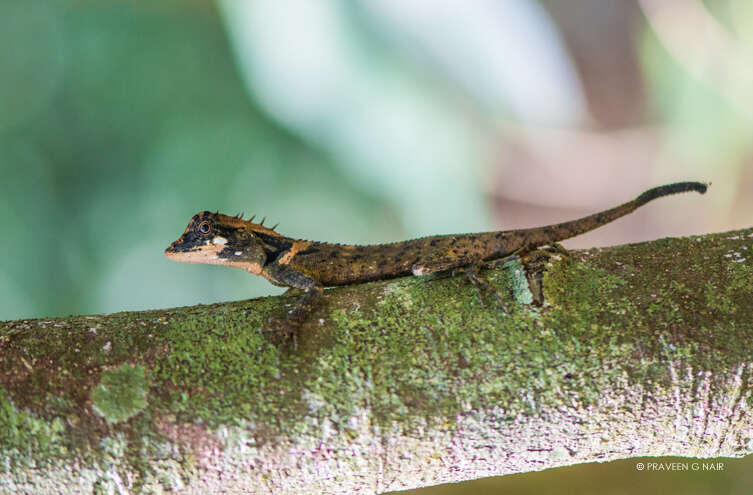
356, 122
119, 121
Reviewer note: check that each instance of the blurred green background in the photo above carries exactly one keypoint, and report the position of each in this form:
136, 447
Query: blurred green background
358, 122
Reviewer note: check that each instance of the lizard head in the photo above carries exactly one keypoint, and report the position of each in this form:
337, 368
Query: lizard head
217, 239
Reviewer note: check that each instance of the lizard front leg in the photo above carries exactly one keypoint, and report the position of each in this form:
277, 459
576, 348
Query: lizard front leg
312, 291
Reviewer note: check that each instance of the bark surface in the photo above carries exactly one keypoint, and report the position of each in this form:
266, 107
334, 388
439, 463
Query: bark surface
638, 350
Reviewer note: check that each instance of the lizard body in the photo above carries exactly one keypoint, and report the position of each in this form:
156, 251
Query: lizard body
214, 238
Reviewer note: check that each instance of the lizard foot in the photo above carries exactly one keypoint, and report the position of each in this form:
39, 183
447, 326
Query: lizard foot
481, 285
279, 332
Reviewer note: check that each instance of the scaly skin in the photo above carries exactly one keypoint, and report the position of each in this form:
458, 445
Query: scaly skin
214, 238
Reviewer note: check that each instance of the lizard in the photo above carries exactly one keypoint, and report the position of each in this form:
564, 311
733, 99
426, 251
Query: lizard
310, 266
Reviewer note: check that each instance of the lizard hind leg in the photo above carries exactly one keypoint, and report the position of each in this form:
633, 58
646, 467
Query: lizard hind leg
450, 261
481, 285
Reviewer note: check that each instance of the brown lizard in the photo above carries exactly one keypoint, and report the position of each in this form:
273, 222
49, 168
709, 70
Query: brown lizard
214, 238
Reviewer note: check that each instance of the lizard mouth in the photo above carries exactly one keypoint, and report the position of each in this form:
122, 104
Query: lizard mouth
195, 253
176, 248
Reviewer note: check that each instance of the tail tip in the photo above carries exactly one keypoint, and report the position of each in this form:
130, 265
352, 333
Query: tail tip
700, 187
678, 187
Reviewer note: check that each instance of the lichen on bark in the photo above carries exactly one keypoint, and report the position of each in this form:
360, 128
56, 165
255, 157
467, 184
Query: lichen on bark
640, 349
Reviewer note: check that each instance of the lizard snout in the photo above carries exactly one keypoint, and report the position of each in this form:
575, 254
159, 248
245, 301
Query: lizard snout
172, 247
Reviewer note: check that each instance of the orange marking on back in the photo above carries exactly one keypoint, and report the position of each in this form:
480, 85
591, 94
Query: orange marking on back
297, 246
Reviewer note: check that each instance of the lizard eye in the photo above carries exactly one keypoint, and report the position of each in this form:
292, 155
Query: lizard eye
204, 227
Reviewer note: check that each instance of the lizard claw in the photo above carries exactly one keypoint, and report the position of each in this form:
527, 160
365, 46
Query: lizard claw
279, 332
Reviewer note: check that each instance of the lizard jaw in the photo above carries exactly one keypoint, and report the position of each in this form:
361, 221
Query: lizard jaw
201, 254
209, 254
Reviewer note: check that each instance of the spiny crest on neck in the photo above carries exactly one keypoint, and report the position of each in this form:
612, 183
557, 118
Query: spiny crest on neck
237, 221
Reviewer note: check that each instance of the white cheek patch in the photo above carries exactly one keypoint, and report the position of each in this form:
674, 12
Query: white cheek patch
237, 253
206, 243
218, 240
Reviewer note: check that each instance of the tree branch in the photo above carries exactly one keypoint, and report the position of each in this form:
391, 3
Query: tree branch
639, 350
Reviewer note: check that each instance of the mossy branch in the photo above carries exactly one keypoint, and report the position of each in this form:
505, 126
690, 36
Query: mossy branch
639, 350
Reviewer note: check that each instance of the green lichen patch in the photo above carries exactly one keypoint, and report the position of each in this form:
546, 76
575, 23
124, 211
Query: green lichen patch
61, 359
394, 341
121, 393
425, 360
218, 367
644, 306
420, 348
26, 438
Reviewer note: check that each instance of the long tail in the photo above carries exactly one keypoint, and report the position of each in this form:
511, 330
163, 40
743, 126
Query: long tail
561, 231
